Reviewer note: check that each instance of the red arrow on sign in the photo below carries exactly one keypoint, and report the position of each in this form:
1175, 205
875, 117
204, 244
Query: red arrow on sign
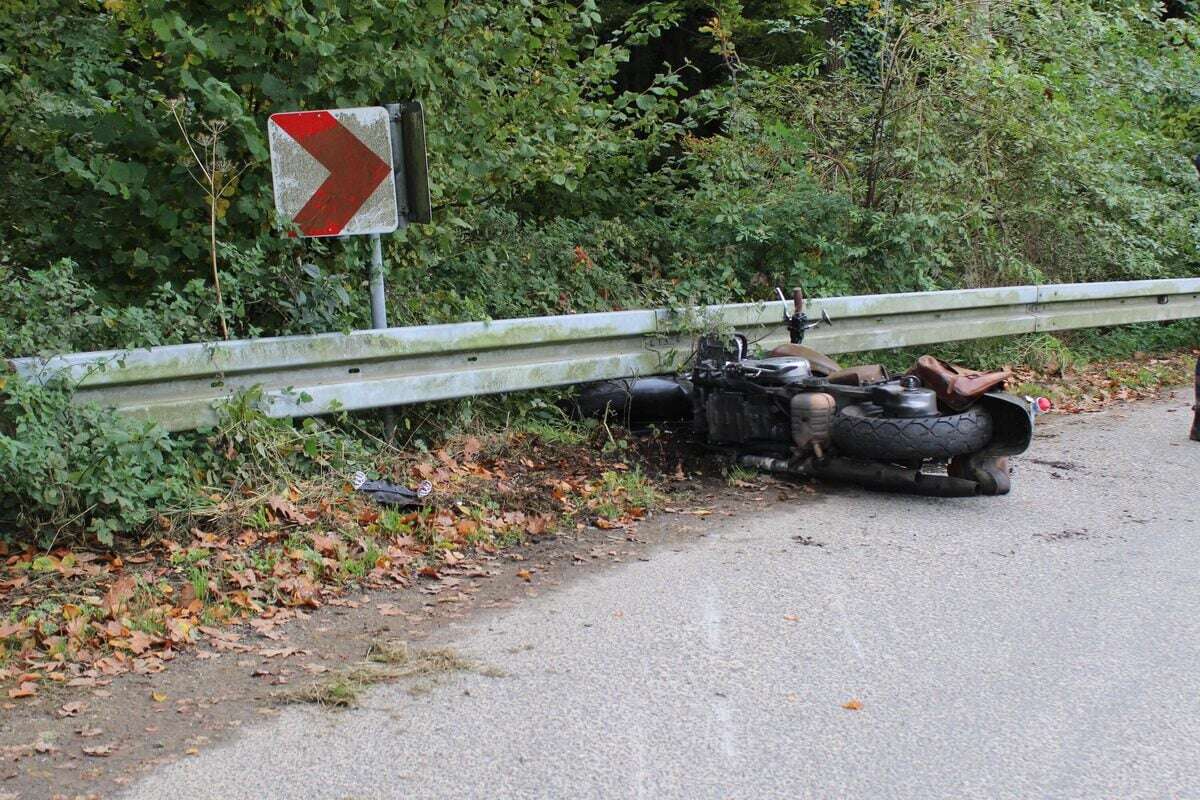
355, 172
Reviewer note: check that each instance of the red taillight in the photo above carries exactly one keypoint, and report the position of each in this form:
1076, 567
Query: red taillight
1044, 404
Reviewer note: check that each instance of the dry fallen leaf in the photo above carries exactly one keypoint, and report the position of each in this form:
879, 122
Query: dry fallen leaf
158, 697
26, 689
99, 751
388, 610
791, 617
121, 590
471, 448
326, 545
285, 509
11, 629
853, 704
139, 642
71, 709
525, 575
281, 652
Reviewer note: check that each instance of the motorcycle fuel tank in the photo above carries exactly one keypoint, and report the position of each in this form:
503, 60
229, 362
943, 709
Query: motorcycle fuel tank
777, 371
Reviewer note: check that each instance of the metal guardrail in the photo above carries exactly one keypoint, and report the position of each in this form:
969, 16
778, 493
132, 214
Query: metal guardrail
181, 385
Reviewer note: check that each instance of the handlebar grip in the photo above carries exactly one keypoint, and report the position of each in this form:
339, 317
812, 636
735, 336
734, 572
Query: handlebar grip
798, 299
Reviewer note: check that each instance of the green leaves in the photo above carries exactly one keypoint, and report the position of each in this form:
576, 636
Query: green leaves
517, 98
1050, 145
69, 469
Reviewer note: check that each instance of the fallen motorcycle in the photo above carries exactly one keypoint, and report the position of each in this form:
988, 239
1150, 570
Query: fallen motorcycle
937, 430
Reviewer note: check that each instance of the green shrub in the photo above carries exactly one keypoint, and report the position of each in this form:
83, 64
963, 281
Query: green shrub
66, 469
249, 449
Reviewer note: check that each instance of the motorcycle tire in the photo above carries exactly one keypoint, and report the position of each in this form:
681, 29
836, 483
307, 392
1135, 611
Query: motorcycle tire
913, 438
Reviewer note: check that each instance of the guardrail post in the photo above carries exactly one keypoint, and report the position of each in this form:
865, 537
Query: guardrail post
379, 318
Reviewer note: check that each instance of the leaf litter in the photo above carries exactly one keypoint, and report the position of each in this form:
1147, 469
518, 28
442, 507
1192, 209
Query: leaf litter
253, 562
1088, 388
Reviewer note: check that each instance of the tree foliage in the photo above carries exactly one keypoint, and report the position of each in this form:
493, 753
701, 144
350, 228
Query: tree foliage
594, 155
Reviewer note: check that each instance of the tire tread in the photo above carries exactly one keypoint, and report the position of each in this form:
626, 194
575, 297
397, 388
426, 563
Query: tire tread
910, 438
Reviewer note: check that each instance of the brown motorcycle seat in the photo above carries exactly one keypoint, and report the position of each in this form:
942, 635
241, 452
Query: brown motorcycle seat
957, 387
863, 375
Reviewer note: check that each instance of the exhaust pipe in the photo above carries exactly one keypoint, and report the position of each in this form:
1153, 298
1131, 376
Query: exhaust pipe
871, 474
889, 478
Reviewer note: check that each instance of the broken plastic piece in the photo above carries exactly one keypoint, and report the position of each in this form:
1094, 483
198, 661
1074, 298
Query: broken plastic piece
391, 494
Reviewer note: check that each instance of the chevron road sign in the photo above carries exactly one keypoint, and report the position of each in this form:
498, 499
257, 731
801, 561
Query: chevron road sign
332, 171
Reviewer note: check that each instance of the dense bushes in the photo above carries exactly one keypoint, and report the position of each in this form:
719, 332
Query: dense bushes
69, 468
519, 97
857, 147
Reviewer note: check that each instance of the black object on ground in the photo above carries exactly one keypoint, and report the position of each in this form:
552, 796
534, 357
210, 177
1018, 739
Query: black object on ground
391, 494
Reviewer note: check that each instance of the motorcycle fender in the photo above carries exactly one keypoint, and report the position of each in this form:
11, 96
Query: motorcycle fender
1012, 421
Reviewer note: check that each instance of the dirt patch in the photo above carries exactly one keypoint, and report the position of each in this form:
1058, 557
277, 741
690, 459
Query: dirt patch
386, 661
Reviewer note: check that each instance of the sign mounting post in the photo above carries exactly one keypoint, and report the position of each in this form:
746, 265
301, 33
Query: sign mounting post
352, 171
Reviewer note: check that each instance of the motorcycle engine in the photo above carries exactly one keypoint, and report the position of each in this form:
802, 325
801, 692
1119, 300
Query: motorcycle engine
734, 416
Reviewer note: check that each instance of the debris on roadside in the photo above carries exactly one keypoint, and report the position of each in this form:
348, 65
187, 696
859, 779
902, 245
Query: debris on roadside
391, 494
385, 662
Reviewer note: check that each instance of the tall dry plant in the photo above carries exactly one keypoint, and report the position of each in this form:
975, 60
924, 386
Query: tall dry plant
218, 179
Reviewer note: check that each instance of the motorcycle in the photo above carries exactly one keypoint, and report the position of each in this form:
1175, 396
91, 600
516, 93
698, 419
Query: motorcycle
938, 429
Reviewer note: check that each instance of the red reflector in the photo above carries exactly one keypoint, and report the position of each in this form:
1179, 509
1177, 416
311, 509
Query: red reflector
1044, 404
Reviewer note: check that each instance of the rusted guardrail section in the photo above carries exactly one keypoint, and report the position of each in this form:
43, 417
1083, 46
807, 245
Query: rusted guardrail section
180, 385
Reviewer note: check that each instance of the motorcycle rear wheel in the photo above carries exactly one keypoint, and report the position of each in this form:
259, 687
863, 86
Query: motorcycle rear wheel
912, 438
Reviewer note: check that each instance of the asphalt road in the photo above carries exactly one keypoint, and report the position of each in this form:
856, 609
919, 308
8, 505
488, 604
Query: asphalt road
1045, 644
